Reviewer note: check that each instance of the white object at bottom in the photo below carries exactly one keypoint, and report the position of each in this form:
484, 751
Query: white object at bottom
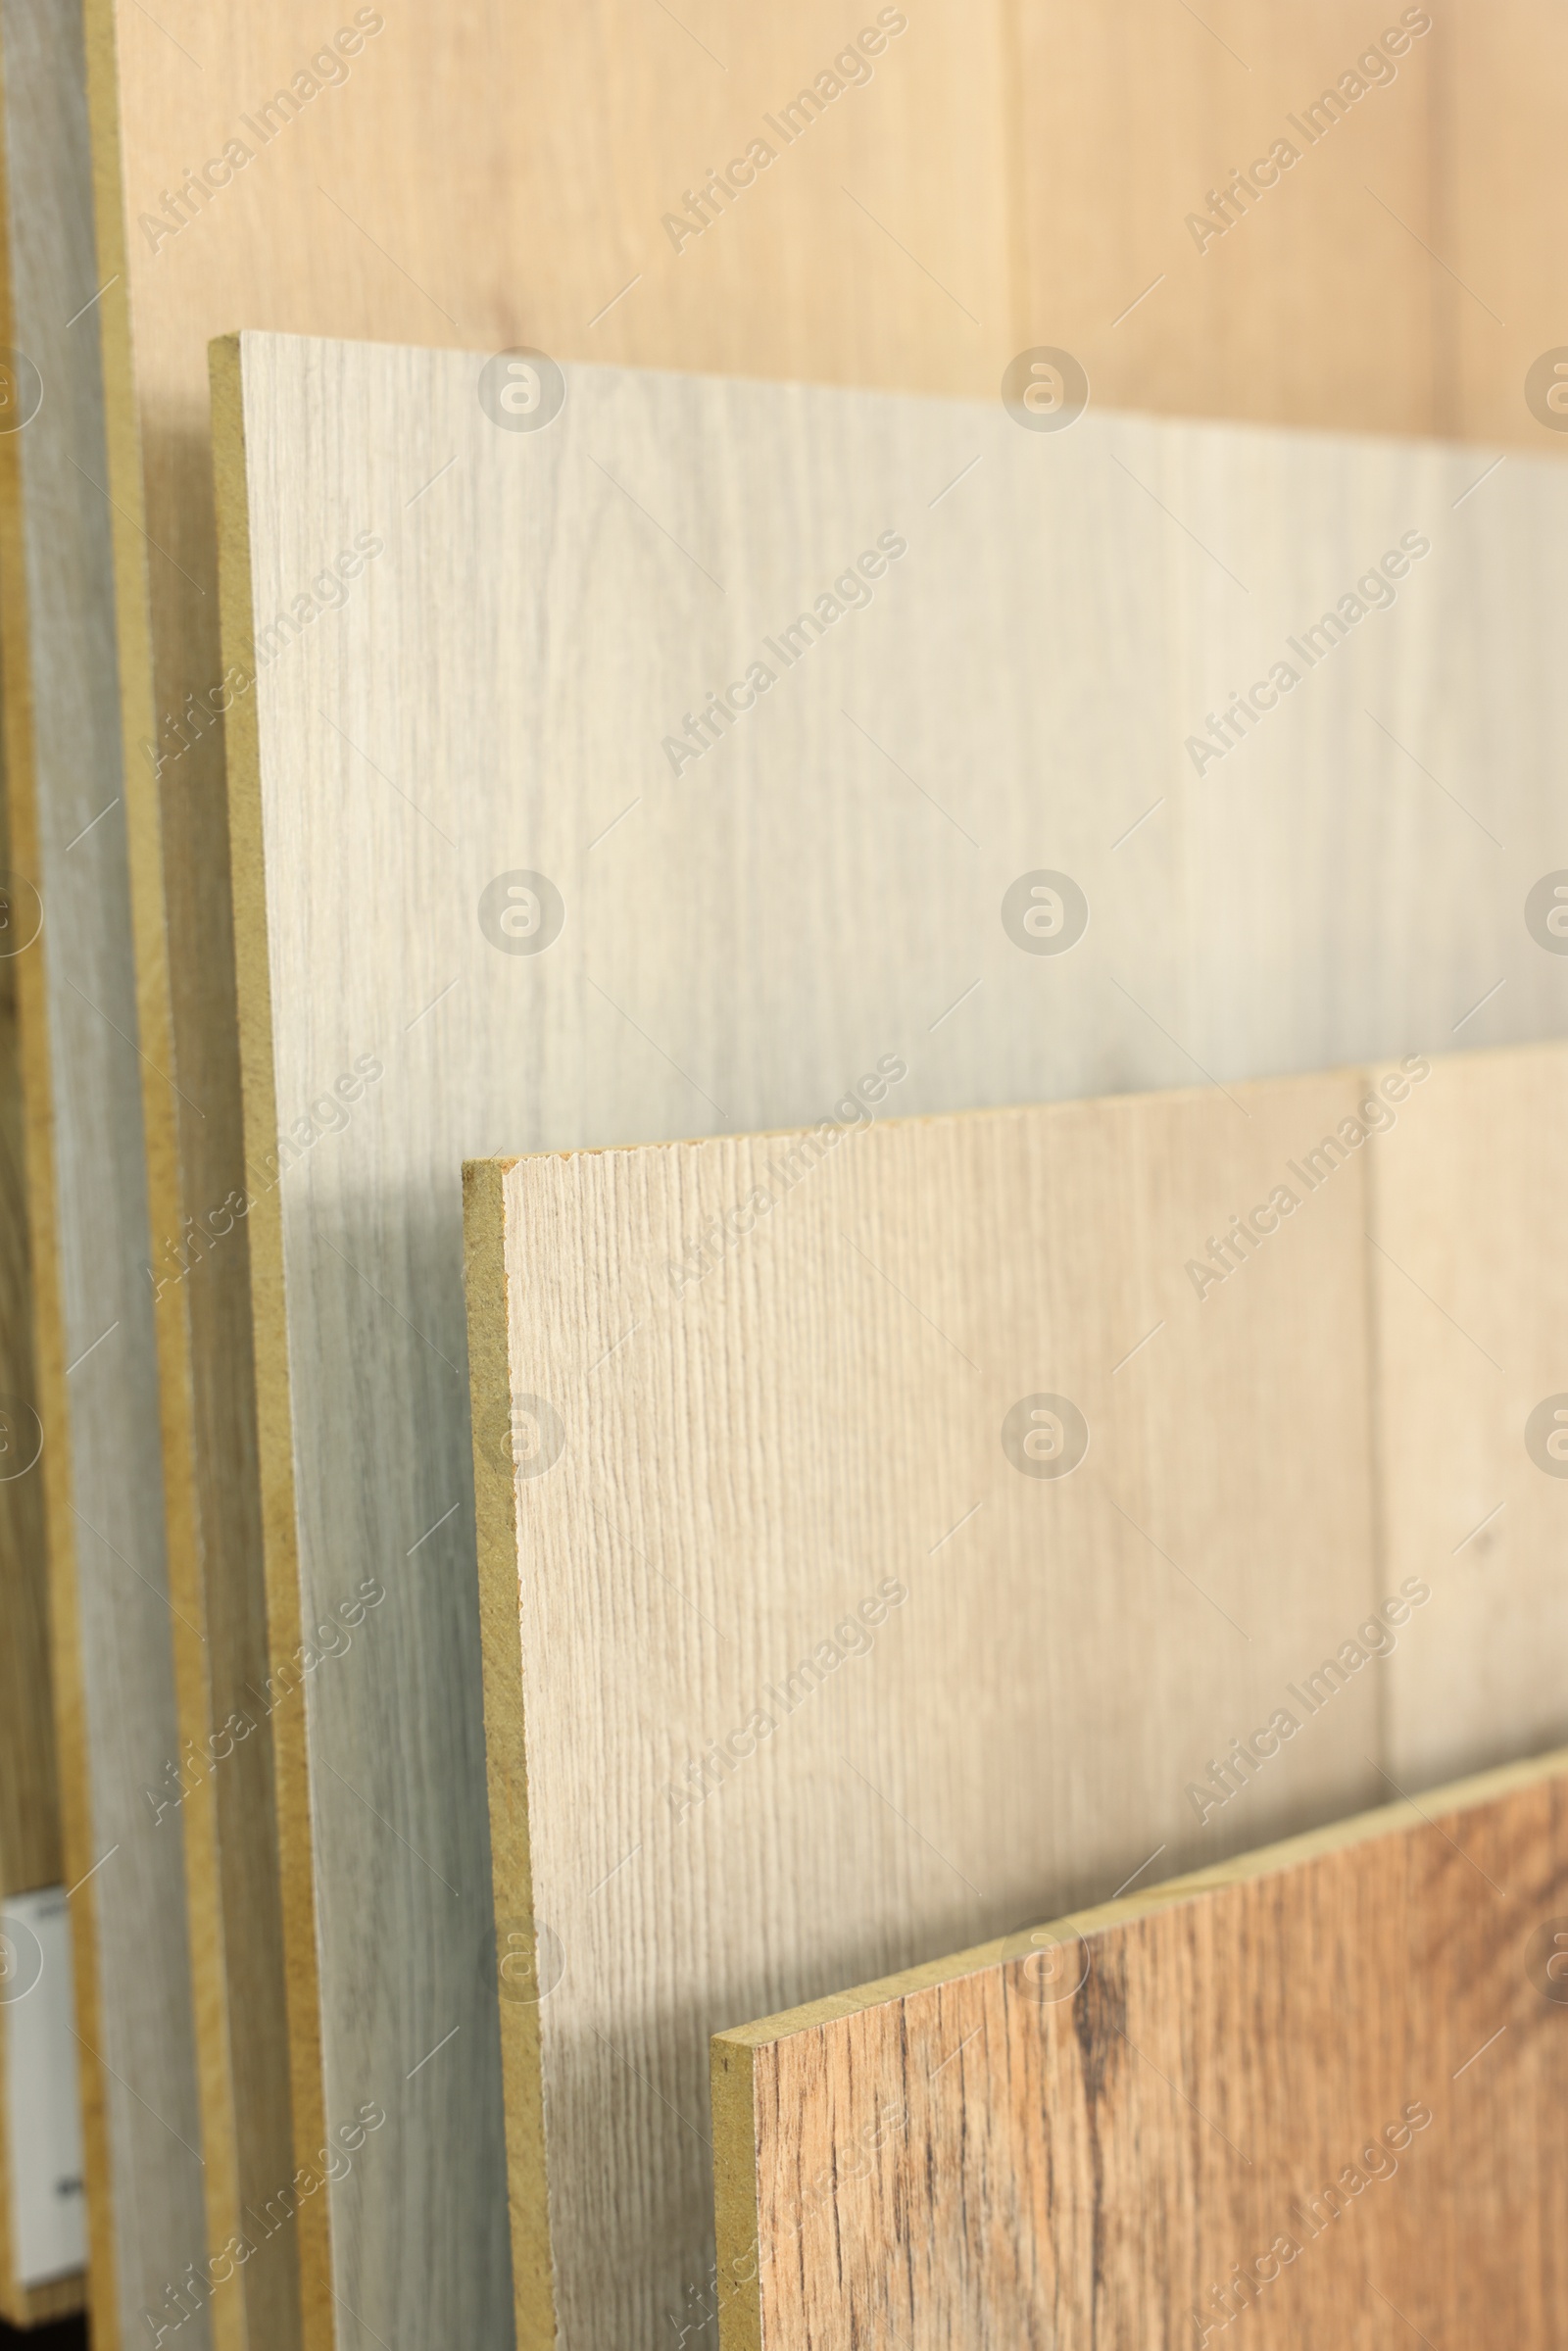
43, 2106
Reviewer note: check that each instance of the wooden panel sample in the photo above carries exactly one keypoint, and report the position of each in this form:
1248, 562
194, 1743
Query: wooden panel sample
1471, 1300
494, 615
1318, 2088
829, 1657
90, 1318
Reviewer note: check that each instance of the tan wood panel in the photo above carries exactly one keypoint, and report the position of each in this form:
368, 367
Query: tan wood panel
821, 1630
825, 885
1316, 2090
1501, 218
1395, 263
1471, 1300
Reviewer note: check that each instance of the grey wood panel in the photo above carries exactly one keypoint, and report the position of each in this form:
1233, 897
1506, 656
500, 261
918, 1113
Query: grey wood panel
101, 1423
488, 695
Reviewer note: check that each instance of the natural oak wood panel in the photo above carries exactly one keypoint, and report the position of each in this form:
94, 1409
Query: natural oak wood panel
1471, 1300
1317, 2089
91, 1307
801, 1659
825, 885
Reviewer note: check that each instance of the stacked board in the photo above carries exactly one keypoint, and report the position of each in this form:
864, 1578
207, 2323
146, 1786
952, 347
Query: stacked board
886, 1528
916, 837
97, 1889
1316, 2090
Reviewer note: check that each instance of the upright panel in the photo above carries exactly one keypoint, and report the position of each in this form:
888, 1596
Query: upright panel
115, 1619
882, 1541
1316, 2091
509, 874
1470, 1292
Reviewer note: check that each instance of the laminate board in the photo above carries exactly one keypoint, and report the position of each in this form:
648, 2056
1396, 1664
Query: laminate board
1315, 2090
1470, 1300
90, 1319
477, 654
895, 1539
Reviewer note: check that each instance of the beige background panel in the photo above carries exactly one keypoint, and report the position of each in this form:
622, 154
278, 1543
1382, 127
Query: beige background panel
975, 2151
829, 877
1314, 307
1501, 214
1471, 1306
818, 1423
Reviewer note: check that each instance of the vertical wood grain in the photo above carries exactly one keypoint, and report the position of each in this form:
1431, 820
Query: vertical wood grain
116, 1619
717, 1479
1471, 1304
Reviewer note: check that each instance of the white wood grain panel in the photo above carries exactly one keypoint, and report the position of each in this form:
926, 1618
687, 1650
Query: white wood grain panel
483, 689
93, 1307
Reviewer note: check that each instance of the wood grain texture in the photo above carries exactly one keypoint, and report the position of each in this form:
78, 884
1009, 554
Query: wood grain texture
92, 1318
847, 262
1398, 274
978, 2151
801, 1672
822, 888
1470, 1302
30, 1807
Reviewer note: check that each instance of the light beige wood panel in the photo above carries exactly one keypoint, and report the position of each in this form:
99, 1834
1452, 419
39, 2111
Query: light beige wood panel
824, 886
321, 235
1316, 2089
1393, 265
1472, 1306
93, 1325
898, 1578
1500, 217
1315, 305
